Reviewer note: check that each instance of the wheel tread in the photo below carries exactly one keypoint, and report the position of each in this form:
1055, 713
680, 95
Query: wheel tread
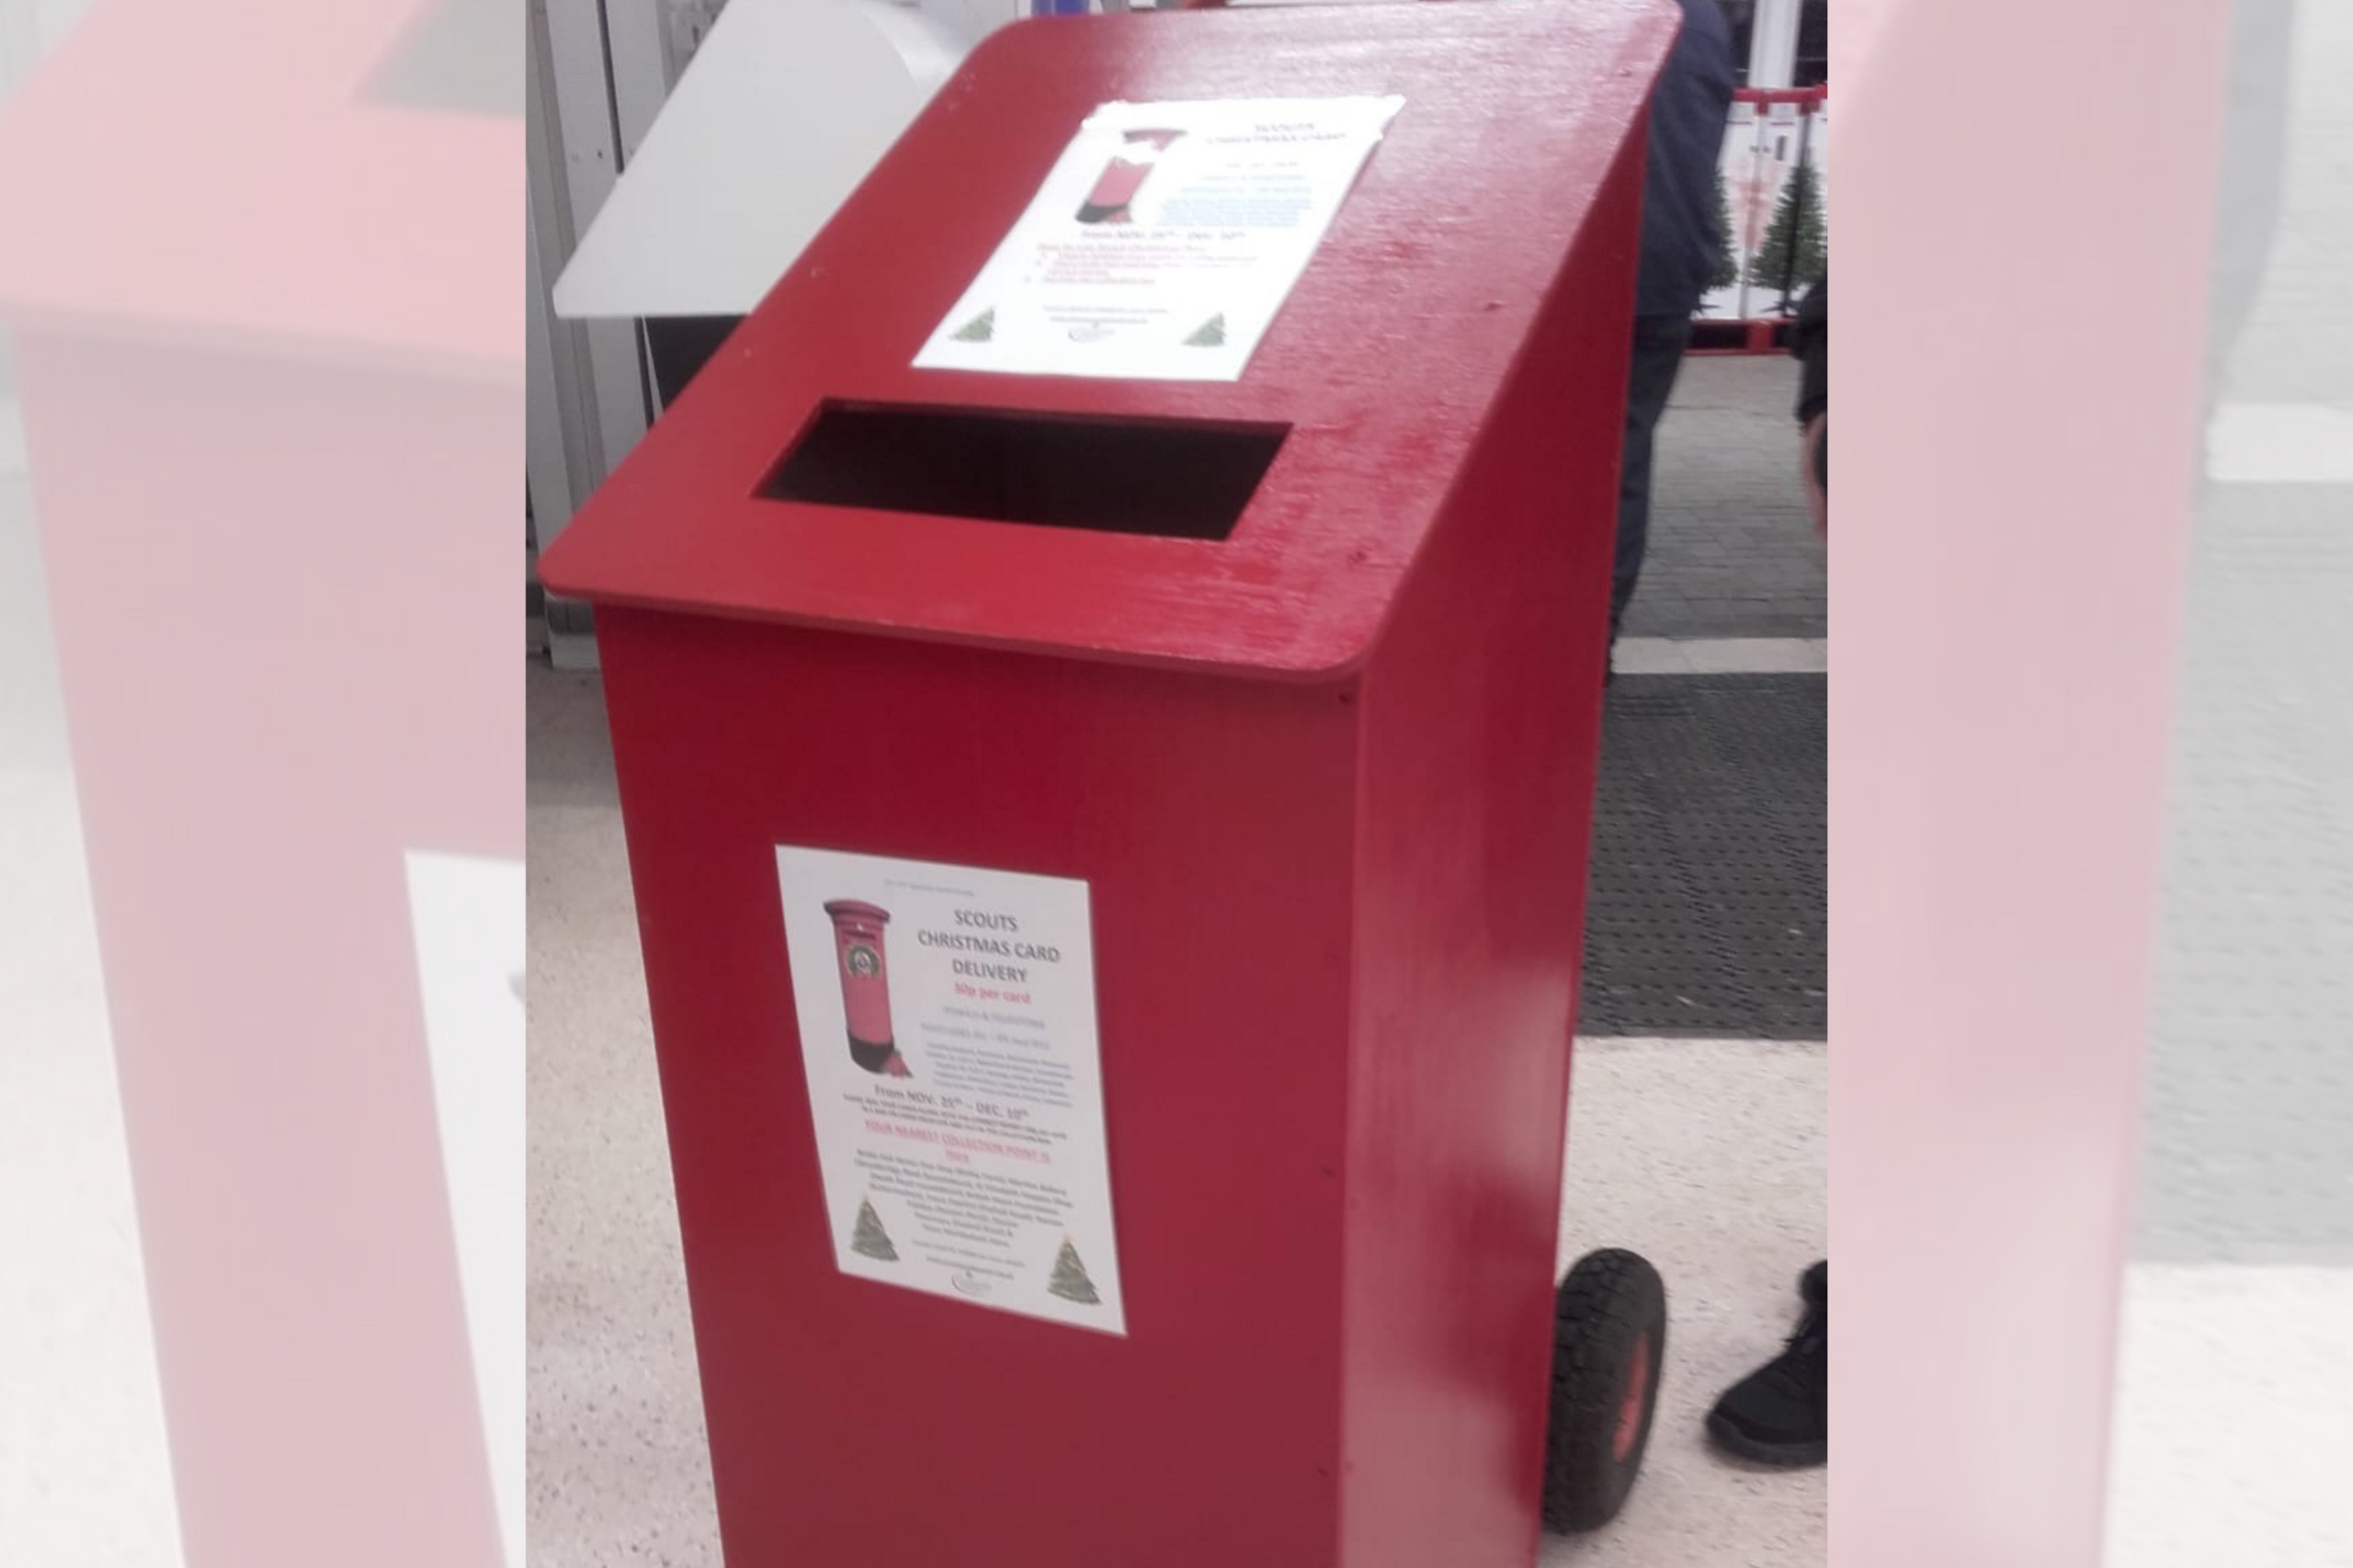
1609, 1299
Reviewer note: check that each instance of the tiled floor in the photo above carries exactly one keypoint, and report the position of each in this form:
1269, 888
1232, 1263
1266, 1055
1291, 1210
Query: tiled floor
1707, 909
2235, 1417
1733, 551
618, 1471
1711, 1158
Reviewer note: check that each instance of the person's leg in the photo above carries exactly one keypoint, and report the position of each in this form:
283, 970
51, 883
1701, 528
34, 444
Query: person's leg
1816, 464
1659, 343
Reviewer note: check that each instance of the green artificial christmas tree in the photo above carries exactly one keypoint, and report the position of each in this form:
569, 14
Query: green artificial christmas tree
1210, 334
870, 1240
1796, 251
981, 328
1070, 1281
1727, 270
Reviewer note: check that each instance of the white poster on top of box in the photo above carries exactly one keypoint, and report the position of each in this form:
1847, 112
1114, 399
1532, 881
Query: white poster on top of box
1165, 240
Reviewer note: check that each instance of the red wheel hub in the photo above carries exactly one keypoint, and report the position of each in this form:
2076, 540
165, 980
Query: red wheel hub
1630, 1408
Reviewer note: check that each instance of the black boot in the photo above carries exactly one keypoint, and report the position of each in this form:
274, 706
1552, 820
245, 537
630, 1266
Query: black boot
1780, 1414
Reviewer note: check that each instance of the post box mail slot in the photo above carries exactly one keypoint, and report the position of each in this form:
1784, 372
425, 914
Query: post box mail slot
1178, 478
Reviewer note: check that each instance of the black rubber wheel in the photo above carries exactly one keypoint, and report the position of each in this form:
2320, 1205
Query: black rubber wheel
1608, 1346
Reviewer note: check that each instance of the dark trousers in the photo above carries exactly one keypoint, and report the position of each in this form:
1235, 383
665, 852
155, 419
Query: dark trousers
1659, 343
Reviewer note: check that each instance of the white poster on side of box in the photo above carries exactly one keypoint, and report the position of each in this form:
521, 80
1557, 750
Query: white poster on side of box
1165, 240
948, 1025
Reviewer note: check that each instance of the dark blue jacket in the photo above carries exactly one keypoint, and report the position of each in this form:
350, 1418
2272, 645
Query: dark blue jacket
1689, 109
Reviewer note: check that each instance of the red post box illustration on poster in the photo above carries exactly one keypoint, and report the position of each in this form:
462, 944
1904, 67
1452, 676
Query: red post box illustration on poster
866, 985
1124, 175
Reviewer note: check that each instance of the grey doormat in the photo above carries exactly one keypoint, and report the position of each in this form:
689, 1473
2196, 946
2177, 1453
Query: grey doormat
1709, 911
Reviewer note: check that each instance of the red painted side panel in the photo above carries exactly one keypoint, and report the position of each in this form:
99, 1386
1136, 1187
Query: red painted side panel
1482, 716
855, 1423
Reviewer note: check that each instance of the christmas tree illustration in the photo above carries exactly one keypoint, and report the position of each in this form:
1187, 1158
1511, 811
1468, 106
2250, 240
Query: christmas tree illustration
1070, 1281
1210, 334
981, 328
870, 1240
1727, 270
1796, 250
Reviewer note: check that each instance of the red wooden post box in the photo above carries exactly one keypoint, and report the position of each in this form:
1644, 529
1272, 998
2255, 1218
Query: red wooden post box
1300, 675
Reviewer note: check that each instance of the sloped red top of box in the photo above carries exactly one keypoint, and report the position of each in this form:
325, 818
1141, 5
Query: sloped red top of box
1381, 364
